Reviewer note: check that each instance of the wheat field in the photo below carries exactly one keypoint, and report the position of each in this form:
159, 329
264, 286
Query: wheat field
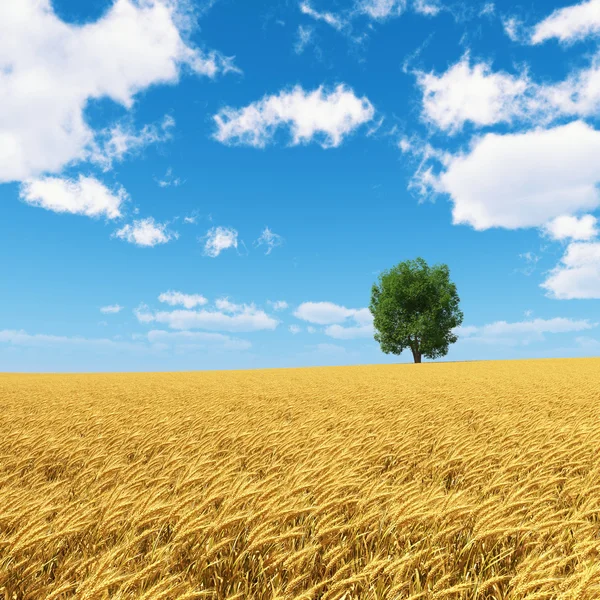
450, 480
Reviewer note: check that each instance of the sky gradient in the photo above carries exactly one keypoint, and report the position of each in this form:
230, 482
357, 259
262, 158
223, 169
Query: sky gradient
216, 185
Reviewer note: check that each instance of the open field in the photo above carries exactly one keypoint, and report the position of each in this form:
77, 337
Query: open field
458, 480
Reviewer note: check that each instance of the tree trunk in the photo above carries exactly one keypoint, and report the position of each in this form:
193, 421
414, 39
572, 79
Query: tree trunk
416, 354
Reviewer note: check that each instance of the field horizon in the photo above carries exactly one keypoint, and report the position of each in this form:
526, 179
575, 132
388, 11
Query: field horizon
308, 367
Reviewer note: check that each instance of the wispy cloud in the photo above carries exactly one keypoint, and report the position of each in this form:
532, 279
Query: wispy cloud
269, 239
146, 233
185, 300
278, 304
169, 179
523, 332
111, 309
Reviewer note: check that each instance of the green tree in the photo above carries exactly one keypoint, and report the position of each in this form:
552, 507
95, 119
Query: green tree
415, 306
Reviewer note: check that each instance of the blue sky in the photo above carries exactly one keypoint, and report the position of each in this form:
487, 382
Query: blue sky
216, 185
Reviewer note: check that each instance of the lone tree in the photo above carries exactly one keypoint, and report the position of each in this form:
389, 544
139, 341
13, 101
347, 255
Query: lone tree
415, 306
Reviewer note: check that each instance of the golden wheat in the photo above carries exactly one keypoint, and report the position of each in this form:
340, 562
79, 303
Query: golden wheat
465, 480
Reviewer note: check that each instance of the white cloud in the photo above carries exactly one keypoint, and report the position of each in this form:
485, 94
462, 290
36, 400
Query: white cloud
522, 332
470, 93
578, 274
228, 317
269, 239
186, 300
569, 24
476, 94
194, 340
575, 228
146, 232
328, 313
577, 95
278, 304
50, 70
335, 21
429, 8
111, 309
84, 196
328, 116
382, 9
219, 239
294, 329
524, 179
323, 313
227, 306
311, 329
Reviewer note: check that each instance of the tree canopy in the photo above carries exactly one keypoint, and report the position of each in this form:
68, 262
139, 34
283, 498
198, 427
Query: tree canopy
415, 306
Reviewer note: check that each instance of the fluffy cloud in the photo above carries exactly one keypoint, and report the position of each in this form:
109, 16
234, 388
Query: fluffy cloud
219, 239
323, 313
470, 93
195, 340
228, 317
111, 309
185, 300
569, 24
269, 239
327, 116
478, 95
574, 228
84, 196
363, 327
146, 232
525, 179
522, 332
578, 274
50, 70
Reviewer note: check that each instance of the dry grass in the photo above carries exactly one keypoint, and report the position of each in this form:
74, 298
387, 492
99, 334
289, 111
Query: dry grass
444, 481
